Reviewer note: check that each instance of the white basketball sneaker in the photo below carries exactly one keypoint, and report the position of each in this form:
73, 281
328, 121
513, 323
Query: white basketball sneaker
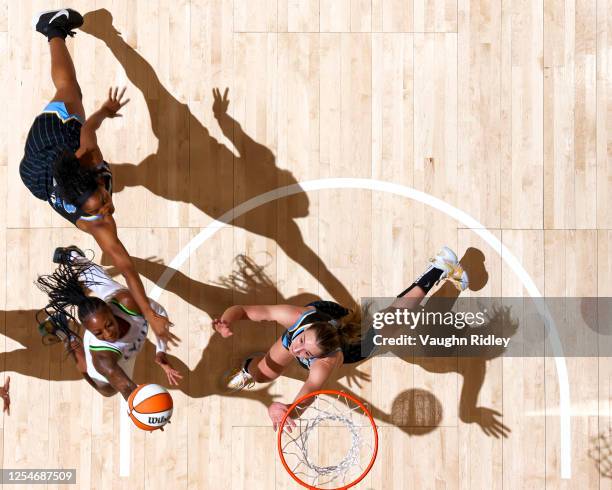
447, 261
239, 378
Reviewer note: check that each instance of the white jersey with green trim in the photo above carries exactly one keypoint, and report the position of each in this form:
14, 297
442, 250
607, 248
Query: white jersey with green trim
130, 344
127, 346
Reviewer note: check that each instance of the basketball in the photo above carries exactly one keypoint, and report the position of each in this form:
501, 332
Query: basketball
150, 407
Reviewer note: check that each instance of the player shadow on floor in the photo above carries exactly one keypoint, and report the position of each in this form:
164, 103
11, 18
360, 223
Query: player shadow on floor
33, 359
50, 362
414, 411
423, 410
247, 285
193, 167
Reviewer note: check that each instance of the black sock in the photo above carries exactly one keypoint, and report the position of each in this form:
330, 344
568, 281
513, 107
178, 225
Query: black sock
246, 365
426, 281
56, 32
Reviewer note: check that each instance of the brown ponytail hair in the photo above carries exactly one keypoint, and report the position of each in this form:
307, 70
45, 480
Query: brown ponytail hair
343, 331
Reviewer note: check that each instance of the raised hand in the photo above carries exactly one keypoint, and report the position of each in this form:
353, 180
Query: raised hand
114, 102
172, 374
357, 377
161, 326
277, 411
220, 104
223, 327
4, 394
488, 420
99, 23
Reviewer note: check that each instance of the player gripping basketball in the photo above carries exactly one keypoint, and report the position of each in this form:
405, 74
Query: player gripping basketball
323, 335
64, 166
115, 329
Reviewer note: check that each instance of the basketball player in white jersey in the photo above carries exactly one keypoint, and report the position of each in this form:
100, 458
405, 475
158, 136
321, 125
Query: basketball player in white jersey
114, 328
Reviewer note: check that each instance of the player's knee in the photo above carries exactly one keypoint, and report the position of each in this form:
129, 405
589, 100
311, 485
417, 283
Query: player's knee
68, 88
261, 373
259, 377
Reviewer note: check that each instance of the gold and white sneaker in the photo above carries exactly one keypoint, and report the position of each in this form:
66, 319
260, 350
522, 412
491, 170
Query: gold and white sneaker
447, 261
238, 379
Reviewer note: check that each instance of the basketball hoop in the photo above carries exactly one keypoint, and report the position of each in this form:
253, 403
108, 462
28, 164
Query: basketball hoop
334, 442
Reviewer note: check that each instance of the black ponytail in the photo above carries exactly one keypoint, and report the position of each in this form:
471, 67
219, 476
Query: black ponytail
75, 183
67, 295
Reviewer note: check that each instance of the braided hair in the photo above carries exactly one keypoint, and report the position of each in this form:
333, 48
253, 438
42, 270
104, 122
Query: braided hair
67, 294
74, 183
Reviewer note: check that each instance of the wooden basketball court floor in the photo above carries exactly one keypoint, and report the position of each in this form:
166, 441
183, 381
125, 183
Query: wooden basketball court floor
502, 109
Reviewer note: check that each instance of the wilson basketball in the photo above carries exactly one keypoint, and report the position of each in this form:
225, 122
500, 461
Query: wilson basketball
150, 406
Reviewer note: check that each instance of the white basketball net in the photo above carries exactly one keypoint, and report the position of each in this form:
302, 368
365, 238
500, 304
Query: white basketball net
332, 428
601, 452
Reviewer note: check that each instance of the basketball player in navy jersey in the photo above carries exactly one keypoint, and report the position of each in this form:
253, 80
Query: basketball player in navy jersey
64, 166
323, 335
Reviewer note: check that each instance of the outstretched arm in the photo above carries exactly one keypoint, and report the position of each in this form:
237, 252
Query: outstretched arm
99, 23
106, 364
105, 233
89, 142
232, 130
286, 315
174, 376
319, 373
489, 420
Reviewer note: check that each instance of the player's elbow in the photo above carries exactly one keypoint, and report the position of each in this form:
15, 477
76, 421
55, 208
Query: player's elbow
310, 386
107, 391
124, 264
102, 368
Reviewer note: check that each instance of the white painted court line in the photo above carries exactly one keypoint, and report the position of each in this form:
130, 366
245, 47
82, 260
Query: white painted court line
581, 408
410, 193
125, 439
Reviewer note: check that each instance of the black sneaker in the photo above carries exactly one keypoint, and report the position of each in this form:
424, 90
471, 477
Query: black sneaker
62, 255
57, 23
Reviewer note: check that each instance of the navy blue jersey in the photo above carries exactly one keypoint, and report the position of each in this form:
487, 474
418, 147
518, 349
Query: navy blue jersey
324, 311
49, 136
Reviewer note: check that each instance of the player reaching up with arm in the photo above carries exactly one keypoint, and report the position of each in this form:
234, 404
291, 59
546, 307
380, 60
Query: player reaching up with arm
64, 166
323, 335
115, 329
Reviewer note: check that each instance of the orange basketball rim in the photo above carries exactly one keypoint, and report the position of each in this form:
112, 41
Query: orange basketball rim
328, 419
